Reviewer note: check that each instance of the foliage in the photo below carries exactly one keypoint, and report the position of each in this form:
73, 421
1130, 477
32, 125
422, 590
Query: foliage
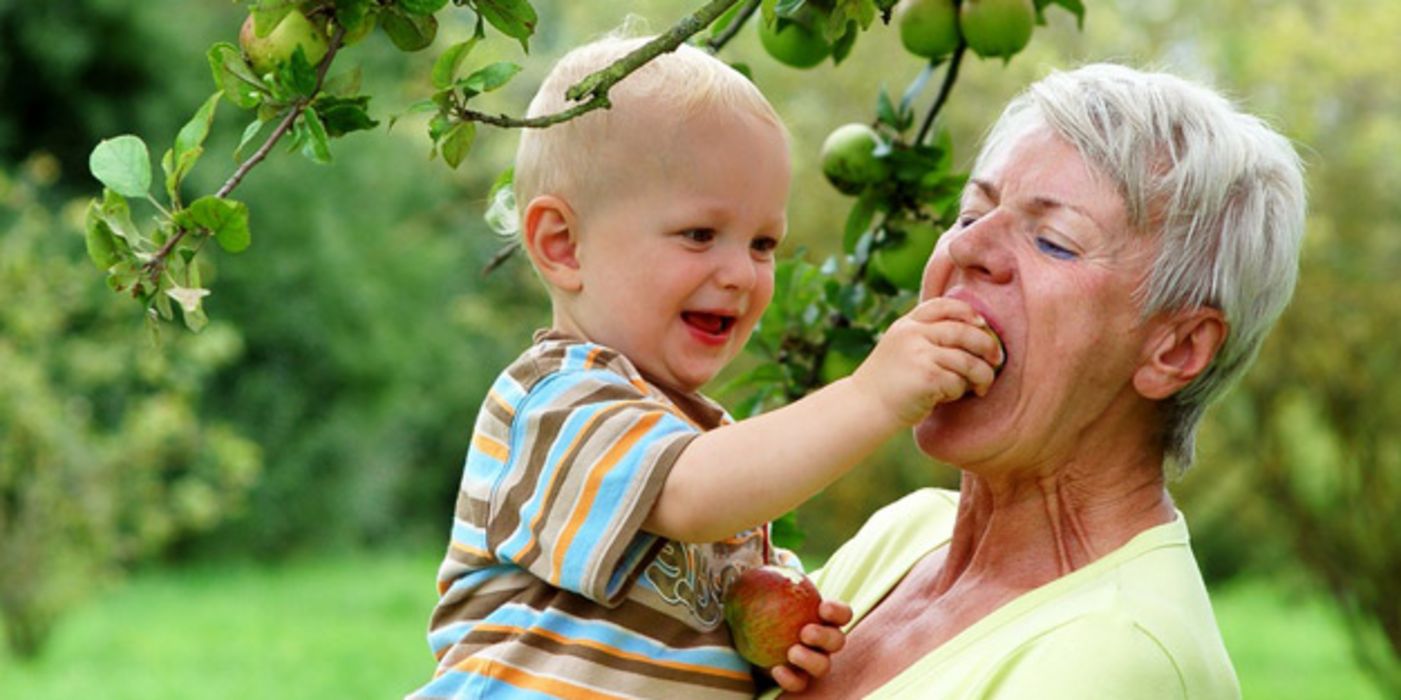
102, 456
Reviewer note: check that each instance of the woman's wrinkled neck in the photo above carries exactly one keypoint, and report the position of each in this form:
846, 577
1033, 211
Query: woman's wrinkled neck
1019, 532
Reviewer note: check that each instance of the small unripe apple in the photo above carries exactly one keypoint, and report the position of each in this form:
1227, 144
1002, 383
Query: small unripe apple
266, 53
766, 609
849, 158
902, 262
996, 28
794, 44
928, 28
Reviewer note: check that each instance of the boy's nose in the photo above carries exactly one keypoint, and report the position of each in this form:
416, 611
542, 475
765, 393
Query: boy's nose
736, 270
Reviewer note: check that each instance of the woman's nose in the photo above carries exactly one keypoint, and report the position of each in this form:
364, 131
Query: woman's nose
981, 249
976, 250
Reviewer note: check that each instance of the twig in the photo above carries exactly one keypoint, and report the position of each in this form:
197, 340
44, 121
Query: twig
596, 85
950, 75
715, 43
154, 266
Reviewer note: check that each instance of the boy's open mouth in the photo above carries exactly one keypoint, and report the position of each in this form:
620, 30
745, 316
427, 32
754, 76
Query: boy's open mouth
708, 323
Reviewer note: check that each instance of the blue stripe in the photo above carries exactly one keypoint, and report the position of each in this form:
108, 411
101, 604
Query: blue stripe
466, 533
546, 393
475, 578
508, 389
616, 491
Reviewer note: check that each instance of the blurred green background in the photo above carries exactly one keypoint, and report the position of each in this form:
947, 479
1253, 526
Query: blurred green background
257, 510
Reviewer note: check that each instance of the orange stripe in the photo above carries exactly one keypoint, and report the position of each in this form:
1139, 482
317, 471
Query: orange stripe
491, 447
594, 483
510, 410
612, 651
529, 681
559, 474
469, 549
592, 358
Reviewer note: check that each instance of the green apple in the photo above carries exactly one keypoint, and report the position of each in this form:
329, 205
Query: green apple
901, 261
849, 158
266, 53
766, 609
996, 28
928, 28
793, 44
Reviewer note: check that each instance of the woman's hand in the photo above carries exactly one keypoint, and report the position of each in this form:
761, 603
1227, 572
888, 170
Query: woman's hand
812, 659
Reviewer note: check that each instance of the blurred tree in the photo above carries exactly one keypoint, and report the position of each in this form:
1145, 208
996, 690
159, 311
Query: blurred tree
102, 457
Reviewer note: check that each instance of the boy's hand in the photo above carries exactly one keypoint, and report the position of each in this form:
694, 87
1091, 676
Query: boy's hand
936, 353
812, 658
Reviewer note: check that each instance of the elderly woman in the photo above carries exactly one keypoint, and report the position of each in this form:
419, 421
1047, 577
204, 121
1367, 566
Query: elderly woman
1131, 237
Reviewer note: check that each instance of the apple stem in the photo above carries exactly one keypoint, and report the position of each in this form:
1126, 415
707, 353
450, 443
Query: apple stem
768, 549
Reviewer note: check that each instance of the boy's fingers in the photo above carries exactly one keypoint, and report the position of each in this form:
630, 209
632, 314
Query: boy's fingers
828, 639
834, 612
815, 663
790, 680
942, 308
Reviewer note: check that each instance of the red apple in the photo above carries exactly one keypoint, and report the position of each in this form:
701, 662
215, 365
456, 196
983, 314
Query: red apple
766, 608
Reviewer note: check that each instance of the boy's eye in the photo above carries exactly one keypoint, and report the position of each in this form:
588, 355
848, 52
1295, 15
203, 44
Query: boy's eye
764, 244
699, 235
1056, 251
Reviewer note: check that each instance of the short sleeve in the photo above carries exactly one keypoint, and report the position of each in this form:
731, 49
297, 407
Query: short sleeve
589, 453
1097, 656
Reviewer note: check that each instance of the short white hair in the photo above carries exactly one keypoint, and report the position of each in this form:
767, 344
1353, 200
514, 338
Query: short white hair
1220, 190
563, 159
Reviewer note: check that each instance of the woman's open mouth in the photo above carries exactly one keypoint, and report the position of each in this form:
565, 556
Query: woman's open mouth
710, 328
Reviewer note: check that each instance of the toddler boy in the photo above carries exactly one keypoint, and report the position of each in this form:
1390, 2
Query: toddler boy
605, 503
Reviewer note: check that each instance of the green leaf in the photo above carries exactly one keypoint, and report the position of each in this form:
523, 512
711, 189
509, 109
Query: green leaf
114, 211
234, 77
122, 164
298, 74
841, 48
343, 84
225, 219
318, 146
457, 142
195, 131
422, 7
342, 116
885, 110
267, 14
514, 18
351, 13
489, 78
187, 297
409, 32
249, 133
858, 220
1076, 7
100, 241
445, 68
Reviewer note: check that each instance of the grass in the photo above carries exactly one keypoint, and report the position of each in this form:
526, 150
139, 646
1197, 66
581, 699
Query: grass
353, 627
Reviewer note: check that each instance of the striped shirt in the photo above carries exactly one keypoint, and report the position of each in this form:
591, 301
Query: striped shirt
549, 587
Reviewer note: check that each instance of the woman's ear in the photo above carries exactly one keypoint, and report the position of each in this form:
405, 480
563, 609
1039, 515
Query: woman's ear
1179, 350
549, 233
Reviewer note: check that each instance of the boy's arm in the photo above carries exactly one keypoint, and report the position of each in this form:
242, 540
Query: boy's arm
738, 476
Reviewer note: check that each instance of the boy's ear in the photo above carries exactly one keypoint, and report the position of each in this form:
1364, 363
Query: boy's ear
550, 236
1179, 350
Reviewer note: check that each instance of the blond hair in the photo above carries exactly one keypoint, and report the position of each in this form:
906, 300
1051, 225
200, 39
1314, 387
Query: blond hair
564, 159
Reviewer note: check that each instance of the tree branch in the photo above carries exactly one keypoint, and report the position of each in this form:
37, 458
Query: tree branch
154, 266
718, 42
596, 85
950, 75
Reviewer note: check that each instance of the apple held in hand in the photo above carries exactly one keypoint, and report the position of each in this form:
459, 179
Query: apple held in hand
266, 53
766, 608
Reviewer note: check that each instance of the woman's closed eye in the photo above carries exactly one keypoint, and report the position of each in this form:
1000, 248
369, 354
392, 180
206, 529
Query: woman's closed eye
1054, 249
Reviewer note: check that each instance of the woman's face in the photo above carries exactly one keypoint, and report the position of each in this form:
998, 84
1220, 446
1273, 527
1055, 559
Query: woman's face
1042, 248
